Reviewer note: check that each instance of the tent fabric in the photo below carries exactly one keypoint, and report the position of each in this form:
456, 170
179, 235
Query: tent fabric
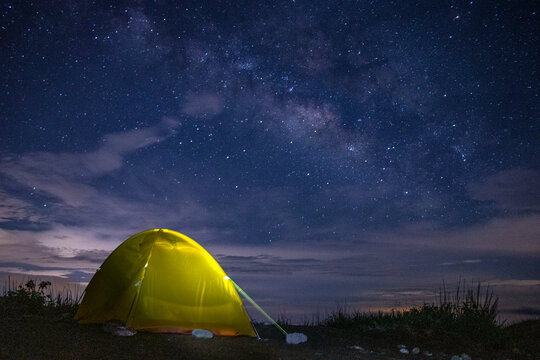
161, 280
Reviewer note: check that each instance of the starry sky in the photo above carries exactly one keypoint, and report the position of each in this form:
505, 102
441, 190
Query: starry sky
325, 153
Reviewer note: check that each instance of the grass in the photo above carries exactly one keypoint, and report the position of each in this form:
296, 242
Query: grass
467, 312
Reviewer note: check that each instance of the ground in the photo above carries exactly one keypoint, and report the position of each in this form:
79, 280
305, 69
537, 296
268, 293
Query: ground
47, 337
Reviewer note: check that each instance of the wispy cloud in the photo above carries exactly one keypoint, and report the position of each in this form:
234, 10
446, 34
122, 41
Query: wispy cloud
66, 176
13, 209
467, 261
516, 282
512, 190
513, 235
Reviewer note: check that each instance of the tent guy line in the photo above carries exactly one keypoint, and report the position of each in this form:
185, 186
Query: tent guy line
248, 298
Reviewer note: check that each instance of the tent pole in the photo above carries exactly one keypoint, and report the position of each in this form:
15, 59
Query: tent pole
138, 285
239, 289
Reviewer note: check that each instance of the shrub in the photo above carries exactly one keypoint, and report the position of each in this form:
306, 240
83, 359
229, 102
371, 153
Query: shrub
33, 300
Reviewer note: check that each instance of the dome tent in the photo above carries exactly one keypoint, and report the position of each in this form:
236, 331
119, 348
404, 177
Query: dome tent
162, 280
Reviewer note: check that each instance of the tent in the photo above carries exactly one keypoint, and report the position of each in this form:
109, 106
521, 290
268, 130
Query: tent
161, 280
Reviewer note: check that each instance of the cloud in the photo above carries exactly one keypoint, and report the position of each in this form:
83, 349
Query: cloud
467, 261
16, 210
65, 176
515, 190
512, 235
515, 282
23, 247
267, 263
80, 238
372, 275
205, 105
529, 312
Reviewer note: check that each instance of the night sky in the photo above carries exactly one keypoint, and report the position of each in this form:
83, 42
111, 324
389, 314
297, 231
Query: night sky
325, 153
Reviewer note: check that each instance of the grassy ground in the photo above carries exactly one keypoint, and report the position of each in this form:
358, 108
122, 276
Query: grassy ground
34, 326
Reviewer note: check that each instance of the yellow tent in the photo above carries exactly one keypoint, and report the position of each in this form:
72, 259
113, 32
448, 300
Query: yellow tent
161, 280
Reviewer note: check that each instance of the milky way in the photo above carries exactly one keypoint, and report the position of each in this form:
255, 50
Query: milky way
305, 136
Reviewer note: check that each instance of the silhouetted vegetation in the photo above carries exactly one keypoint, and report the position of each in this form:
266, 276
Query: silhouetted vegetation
35, 299
466, 319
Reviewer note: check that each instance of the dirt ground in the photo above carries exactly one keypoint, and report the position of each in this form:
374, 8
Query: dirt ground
50, 338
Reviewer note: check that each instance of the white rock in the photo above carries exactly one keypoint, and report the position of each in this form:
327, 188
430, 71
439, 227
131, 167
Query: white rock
296, 338
416, 350
124, 331
112, 326
202, 334
403, 351
465, 357
427, 353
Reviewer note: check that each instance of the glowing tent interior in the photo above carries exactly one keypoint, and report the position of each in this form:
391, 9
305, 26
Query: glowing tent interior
161, 280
